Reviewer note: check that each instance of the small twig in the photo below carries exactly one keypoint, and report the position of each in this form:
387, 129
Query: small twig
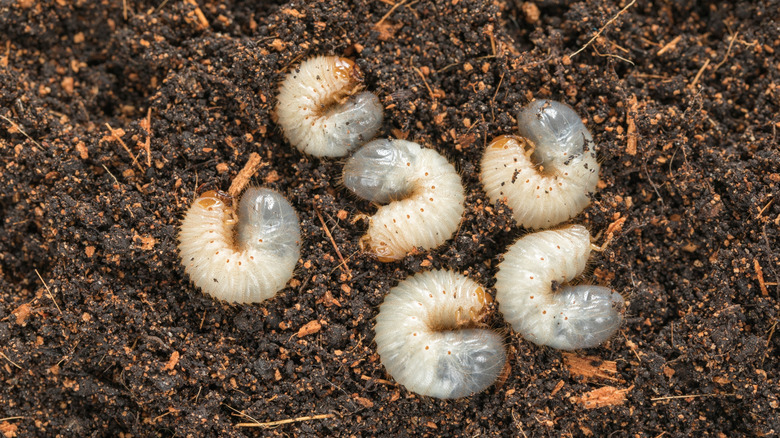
242, 179
158, 7
9, 360
698, 75
422, 76
338, 253
11, 418
345, 260
768, 340
241, 413
632, 347
127, 149
500, 81
631, 128
492, 40
147, 125
19, 128
760, 277
112, 175
765, 207
669, 46
612, 229
610, 55
603, 28
154, 420
648, 76
49, 291
287, 421
447, 67
294, 60
655, 188
672, 397
198, 394
486, 57
382, 381
390, 12
202, 320
728, 51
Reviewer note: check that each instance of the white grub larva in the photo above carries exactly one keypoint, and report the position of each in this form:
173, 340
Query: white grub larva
243, 256
427, 340
322, 111
548, 174
572, 317
424, 190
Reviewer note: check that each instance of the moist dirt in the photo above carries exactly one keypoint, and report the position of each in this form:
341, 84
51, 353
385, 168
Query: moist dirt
115, 115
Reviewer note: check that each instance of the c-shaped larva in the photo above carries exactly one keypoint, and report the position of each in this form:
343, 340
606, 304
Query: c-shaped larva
424, 190
572, 317
548, 174
426, 340
321, 110
244, 259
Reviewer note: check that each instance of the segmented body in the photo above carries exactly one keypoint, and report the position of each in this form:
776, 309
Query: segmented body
548, 173
322, 110
426, 338
424, 191
572, 317
245, 256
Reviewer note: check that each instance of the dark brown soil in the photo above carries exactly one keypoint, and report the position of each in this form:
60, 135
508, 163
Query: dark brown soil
118, 341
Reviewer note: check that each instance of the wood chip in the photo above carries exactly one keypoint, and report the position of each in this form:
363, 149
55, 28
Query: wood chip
366, 403
531, 12
8, 429
557, 388
310, 328
605, 396
631, 130
293, 12
242, 179
21, 313
172, 361
760, 277
278, 45
146, 124
82, 150
145, 242
589, 367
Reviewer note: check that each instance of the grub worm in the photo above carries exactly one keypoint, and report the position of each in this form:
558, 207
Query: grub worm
423, 189
548, 173
322, 110
243, 256
572, 317
428, 338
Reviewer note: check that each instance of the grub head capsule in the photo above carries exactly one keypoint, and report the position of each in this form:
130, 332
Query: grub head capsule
556, 130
